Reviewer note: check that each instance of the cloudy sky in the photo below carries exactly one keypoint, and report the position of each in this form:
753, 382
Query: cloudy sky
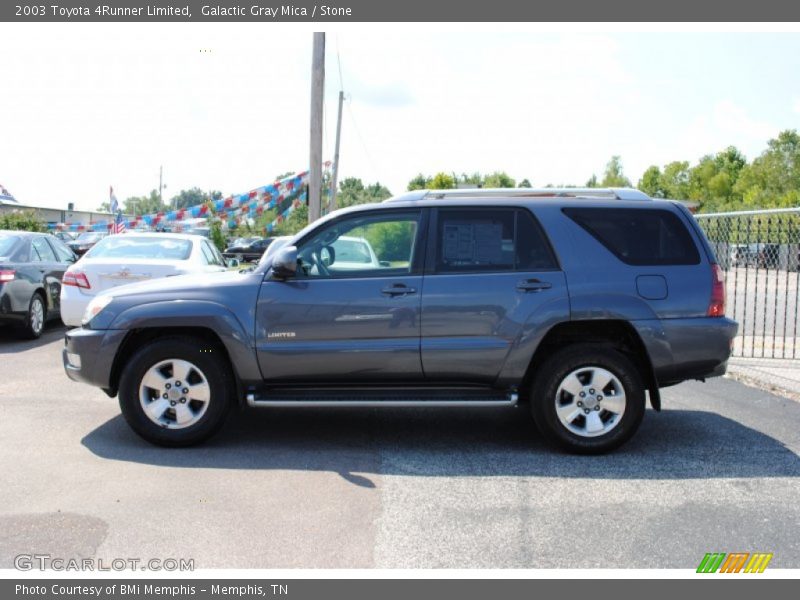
226, 106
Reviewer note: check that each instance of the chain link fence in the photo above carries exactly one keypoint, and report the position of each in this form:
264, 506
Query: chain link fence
759, 252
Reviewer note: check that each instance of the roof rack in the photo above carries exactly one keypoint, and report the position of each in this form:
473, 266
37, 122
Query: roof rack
600, 193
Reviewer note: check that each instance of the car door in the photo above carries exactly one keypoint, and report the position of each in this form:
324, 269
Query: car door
491, 277
64, 257
349, 325
52, 271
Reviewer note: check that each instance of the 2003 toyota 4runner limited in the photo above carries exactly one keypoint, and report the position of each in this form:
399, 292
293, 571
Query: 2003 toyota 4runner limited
577, 301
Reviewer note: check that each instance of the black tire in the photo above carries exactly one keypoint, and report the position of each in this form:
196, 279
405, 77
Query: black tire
586, 360
31, 328
210, 366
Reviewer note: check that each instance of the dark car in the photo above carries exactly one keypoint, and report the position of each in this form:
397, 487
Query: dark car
64, 236
579, 302
768, 256
31, 268
84, 242
248, 249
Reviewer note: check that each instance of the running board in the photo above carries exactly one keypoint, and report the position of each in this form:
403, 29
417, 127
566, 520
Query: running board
510, 399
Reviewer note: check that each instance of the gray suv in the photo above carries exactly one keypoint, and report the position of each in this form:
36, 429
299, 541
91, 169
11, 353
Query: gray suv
579, 302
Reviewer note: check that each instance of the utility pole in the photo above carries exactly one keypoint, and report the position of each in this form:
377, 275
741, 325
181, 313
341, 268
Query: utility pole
161, 185
335, 173
315, 155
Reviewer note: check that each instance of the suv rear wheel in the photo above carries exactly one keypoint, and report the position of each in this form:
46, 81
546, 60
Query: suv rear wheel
588, 399
172, 393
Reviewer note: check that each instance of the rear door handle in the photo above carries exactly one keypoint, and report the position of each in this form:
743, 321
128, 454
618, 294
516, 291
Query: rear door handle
398, 289
533, 285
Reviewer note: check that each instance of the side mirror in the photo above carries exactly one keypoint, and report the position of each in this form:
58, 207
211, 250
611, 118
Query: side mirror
232, 263
284, 265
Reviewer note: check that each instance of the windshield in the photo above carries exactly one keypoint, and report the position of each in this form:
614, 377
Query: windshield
128, 246
7, 243
89, 237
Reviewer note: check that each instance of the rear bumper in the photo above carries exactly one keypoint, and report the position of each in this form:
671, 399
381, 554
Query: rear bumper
73, 305
96, 350
683, 349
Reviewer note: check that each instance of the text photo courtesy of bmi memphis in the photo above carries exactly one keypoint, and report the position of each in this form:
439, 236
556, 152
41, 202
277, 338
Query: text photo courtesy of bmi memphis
372, 298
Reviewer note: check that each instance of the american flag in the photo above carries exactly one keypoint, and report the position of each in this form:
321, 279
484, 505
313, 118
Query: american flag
119, 222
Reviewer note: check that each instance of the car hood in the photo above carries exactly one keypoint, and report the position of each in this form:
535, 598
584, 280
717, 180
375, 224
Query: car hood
178, 283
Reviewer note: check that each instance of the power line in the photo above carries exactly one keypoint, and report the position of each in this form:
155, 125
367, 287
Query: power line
339, 61
363, 144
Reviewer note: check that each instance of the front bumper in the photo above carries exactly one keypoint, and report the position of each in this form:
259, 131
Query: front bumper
96, 350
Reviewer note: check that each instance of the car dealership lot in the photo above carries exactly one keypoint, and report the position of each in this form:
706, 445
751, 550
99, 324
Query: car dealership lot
718, 470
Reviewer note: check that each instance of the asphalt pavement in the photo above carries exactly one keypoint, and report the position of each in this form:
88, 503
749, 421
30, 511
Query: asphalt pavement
717, 471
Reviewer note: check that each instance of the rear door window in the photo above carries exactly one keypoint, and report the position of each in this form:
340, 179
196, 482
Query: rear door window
640, 237
41, 251
64, 254
490, 240
210, 255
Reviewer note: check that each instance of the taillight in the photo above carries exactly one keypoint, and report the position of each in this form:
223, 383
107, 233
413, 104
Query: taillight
7, 275
716, 308
76, 278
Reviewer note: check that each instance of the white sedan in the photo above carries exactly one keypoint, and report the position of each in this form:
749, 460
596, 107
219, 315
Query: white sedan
127, 258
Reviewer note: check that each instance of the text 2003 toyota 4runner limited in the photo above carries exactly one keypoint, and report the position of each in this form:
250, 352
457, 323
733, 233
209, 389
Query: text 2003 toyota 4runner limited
576, 300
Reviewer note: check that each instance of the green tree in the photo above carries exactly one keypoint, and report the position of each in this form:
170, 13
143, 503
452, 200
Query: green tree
420, 182
22, 220
499, 179
294, 223
675, 180
473, 179
352, 191
772, 180
143, 205
614, 175
215, 233
525, 183
390, 241
590, 183
650, 183
192, 197
442, 181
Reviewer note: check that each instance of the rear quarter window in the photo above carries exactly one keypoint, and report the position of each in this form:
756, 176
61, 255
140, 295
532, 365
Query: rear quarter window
640, 237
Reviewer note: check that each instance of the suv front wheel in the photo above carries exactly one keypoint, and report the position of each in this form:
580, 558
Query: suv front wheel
175, 392
588, 399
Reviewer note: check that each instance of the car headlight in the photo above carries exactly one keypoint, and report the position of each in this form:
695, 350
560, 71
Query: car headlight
97, 304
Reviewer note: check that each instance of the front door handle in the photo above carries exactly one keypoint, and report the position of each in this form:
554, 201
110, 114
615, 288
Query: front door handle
533, 285
398, 289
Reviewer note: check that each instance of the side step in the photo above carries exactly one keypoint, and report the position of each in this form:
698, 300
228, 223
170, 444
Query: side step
389, 401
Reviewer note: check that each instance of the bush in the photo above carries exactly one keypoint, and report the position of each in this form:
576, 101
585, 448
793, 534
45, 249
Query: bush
215, 233
22, 220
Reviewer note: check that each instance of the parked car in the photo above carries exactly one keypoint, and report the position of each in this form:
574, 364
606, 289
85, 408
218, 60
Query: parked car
768, 255
238, 244
31, 267
353, 253
83, 243
248, 249
201, 231
739, 255
121, 259
580, 302
64, 236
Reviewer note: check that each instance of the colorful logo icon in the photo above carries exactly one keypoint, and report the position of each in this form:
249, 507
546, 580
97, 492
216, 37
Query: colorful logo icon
736, 562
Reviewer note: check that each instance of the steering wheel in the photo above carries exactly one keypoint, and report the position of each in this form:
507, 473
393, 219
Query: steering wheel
316, 257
